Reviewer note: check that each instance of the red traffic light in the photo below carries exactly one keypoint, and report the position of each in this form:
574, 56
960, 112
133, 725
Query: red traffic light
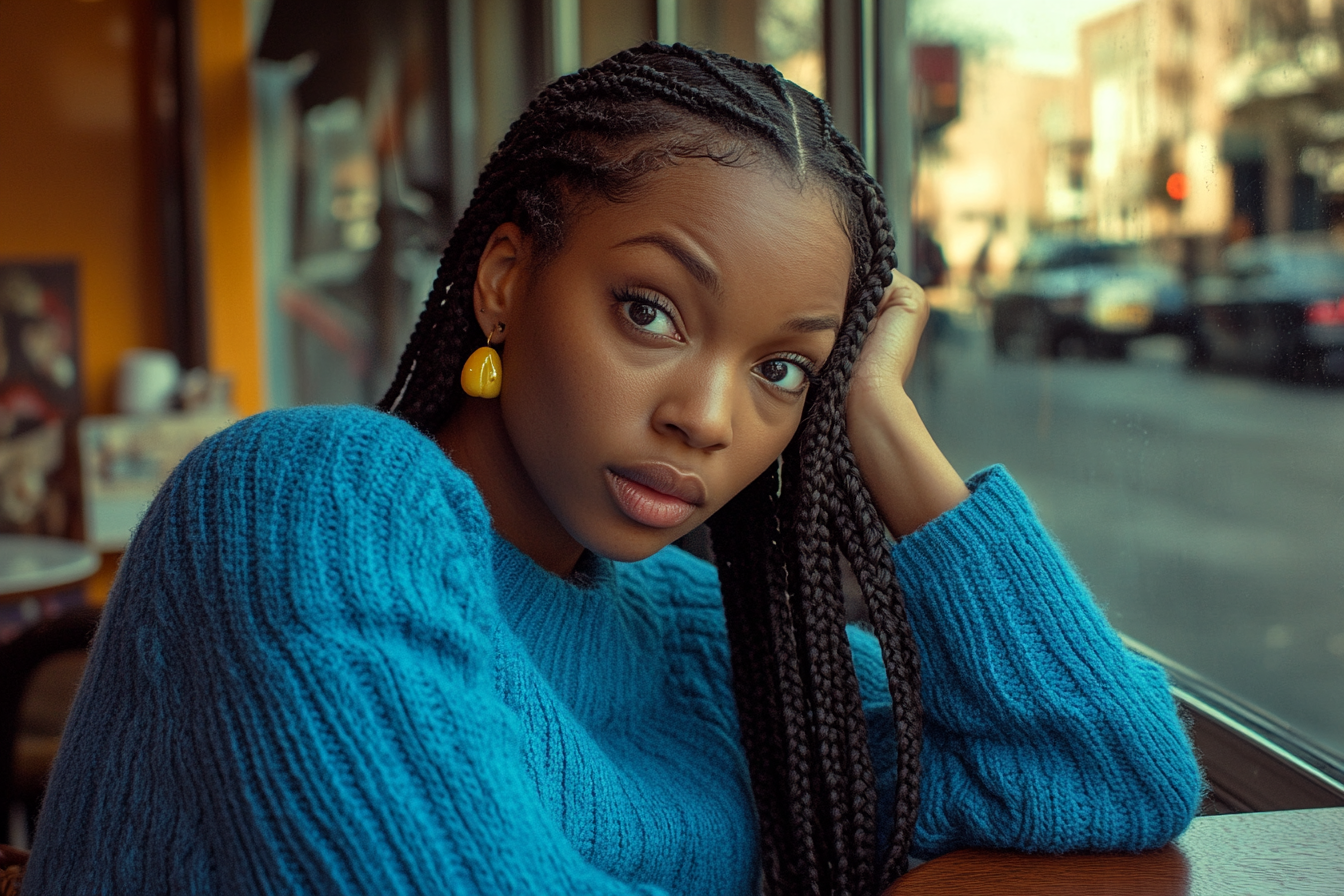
1177, 186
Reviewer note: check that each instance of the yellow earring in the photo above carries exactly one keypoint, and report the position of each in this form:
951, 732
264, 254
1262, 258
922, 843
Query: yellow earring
482, 373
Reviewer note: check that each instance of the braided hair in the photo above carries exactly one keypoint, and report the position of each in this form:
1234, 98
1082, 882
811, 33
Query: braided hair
778, 543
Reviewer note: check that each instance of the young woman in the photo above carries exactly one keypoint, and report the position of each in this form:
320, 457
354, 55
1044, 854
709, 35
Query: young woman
445, 648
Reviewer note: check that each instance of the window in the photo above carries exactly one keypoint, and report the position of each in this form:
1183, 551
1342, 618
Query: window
1141, 209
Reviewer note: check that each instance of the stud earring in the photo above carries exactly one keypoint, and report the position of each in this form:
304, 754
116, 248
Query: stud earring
483, 371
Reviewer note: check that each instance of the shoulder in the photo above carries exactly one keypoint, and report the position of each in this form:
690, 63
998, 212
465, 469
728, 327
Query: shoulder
290, 506
354, 440
350, 455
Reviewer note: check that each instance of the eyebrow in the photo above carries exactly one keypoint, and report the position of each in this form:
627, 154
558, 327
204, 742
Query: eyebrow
812, 324
708, 278
703, 273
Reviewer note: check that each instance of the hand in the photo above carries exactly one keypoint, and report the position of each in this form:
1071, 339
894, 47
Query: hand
910, 479
888, 355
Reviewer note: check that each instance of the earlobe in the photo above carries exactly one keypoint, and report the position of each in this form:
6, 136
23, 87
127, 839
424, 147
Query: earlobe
499, 275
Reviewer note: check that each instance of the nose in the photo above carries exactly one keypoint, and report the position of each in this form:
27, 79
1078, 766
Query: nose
697, 408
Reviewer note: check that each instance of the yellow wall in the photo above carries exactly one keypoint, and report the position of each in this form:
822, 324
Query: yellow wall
76, 178
232, 304
608, 26
77, 181
74, 175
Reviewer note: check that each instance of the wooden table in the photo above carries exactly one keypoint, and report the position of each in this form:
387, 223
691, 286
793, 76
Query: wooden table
1298, 853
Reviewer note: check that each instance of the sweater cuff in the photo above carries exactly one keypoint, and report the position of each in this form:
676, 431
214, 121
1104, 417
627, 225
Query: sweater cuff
996, 510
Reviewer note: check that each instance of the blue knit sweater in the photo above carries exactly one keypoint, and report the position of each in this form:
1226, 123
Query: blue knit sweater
320, 671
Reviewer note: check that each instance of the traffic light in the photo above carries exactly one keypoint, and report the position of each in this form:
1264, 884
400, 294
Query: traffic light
1177, 186
1167, 180
937, 85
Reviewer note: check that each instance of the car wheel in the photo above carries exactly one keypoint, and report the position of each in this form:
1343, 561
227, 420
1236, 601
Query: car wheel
1025, 332
1107, 347
1000, 334
1295, 364
1037, 337
1332, 364
1198, 355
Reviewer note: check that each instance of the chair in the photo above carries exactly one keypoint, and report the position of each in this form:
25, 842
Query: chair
19, 659
13, 862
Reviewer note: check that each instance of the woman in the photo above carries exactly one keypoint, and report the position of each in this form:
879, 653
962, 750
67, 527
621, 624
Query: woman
345, 653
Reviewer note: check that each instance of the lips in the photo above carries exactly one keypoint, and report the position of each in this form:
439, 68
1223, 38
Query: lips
656, 494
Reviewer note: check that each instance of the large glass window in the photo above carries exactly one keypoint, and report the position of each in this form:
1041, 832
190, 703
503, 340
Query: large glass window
1130, 217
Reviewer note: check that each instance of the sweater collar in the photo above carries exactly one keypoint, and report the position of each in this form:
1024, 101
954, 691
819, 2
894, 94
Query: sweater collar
596, 643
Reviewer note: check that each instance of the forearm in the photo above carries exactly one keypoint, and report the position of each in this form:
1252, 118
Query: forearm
910, 480
1043, 732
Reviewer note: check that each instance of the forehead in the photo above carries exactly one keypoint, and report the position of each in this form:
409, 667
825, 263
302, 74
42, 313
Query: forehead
758, 228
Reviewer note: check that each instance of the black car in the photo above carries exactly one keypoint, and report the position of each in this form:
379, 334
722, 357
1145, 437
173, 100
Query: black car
1277, 308
1093, 295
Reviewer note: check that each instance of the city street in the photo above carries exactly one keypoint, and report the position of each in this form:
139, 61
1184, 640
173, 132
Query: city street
1205, 510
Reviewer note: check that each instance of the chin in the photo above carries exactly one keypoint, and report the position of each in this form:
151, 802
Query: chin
629, 546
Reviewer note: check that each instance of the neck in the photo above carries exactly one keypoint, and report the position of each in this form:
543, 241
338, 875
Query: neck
476, 441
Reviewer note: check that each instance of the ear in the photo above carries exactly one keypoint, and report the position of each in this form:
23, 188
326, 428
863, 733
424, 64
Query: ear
501, 276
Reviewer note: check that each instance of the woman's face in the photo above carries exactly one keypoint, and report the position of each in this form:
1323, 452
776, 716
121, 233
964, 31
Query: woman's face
658, 363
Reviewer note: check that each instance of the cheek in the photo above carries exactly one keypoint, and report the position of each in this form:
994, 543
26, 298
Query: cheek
564, 389
757, 447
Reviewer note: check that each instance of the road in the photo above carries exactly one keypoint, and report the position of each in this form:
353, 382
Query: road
1206, 511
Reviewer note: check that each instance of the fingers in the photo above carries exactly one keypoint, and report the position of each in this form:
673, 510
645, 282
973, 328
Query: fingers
898, 324
907, 295
888, 354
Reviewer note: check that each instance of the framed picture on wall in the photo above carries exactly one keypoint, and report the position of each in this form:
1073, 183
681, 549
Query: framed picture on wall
40, 397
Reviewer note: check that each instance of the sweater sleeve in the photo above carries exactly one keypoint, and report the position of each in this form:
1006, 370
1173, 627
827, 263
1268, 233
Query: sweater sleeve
292, 692
1042, 732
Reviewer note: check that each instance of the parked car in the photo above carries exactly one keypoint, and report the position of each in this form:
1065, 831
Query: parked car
1276, 308
1096, 296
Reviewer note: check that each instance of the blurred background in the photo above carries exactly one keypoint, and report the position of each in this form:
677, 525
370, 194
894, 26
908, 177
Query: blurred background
1129, 217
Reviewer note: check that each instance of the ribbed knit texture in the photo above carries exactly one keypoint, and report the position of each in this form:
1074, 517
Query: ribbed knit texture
321, 672
1041, 732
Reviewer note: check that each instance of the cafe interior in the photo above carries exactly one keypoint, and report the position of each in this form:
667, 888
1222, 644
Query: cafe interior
210, 208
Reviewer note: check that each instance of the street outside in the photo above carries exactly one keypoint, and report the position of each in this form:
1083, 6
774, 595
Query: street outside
1206, 510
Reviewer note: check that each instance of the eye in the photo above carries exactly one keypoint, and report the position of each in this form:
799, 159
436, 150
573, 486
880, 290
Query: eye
785, 374
649, 314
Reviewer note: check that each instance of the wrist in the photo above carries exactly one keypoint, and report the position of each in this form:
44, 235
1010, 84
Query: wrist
883, 432
909, 478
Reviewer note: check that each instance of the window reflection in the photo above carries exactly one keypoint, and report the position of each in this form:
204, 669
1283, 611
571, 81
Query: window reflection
1141, 208
354, 189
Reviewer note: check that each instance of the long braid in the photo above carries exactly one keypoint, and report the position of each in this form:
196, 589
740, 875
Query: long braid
779, 542
764, 652
861, 532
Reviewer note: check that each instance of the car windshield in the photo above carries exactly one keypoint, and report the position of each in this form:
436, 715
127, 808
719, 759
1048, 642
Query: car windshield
1318, 268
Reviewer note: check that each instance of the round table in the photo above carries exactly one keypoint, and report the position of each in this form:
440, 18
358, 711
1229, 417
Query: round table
35, 563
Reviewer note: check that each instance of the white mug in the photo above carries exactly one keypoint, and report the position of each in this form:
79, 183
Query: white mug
147, 381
